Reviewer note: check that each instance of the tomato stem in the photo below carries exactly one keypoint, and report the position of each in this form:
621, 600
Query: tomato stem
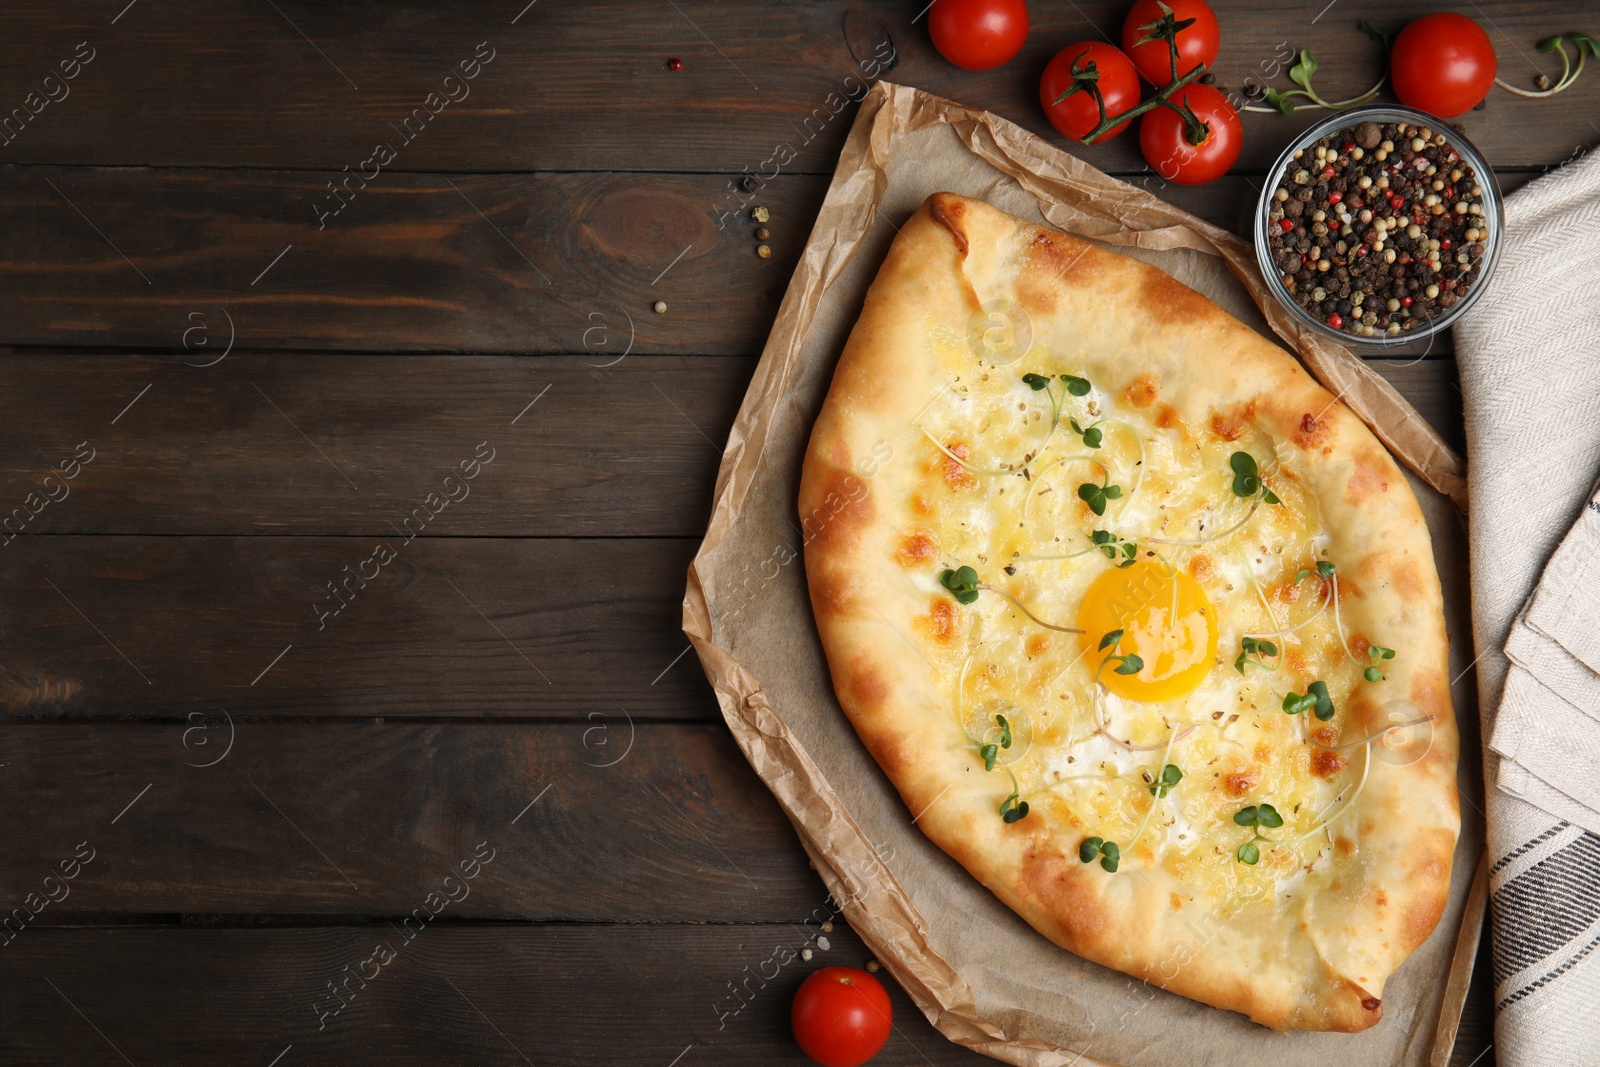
1160, 99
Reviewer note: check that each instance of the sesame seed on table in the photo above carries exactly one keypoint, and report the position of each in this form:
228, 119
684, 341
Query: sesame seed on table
404, 341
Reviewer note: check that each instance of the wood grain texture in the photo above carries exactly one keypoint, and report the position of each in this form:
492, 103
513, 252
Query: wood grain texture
451, 627
264, 444
177, 201
274, 444
537, 263
480, 994
588, 87
602, 819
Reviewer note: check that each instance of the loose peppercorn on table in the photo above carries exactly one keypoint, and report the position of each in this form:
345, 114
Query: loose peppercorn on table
366, 374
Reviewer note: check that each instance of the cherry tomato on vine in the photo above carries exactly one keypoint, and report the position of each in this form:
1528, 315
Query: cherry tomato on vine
978, 34
841, 1016
1078, 114
1197, 43
1442, 64
1166, 146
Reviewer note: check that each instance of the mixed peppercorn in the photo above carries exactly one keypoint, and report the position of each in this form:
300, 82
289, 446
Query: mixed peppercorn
1378, 229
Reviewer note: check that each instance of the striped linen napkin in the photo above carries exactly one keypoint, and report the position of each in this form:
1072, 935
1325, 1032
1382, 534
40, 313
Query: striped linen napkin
1529, 355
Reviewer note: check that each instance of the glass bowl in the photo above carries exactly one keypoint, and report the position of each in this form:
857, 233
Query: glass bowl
1493, 218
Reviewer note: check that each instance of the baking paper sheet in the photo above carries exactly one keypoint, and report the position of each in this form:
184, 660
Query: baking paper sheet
982, 975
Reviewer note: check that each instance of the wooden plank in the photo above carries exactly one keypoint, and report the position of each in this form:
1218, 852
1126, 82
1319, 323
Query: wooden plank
556, 263
214, 815
449, 627
264, 444
588, 88
514, 995
565, 263
320, 444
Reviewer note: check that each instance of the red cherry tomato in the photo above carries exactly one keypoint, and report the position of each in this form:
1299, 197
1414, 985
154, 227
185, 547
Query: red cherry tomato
1196, 44
1167, 149
1077, 114
978, 34
1442, 64
841, 1017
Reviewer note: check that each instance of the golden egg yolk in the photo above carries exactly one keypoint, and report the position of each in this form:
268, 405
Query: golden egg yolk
1166, 620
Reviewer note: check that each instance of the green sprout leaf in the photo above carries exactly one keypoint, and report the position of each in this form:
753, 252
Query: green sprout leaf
1035, 381
1108, 852
1301, 72
1251, 649
1281, 101
1005, 731
1096, 496
962, 583
1109, 640
1170, 776
1295, 703
1319, 690
1378, 654
1075, 385
1092, 435
1314, 699
1247, 481
1549, 44
1129, 665
1256, 816
1013, 810
990, 753
1325, 568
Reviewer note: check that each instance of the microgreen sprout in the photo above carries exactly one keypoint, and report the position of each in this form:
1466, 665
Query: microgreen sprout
1251, 650
1372, 673
1071, 384
1324, 570
1112, 546
1315, 699
1300, 73
1097, 495
1257, 817
1126, 664
1091, 434
962, 583
1013, 809
991, 751
1247, 483
1170, 777
1582, 43
1108, 852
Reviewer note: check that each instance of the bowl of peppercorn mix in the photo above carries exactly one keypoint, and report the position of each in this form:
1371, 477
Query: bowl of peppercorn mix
1379, 226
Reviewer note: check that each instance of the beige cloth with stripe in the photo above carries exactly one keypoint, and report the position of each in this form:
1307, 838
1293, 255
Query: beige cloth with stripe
1529, 355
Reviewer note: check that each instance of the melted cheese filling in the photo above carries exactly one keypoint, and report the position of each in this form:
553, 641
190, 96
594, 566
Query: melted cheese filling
1000, 490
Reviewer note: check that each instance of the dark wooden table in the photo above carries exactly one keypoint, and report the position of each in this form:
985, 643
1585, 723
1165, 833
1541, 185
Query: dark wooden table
348, 494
